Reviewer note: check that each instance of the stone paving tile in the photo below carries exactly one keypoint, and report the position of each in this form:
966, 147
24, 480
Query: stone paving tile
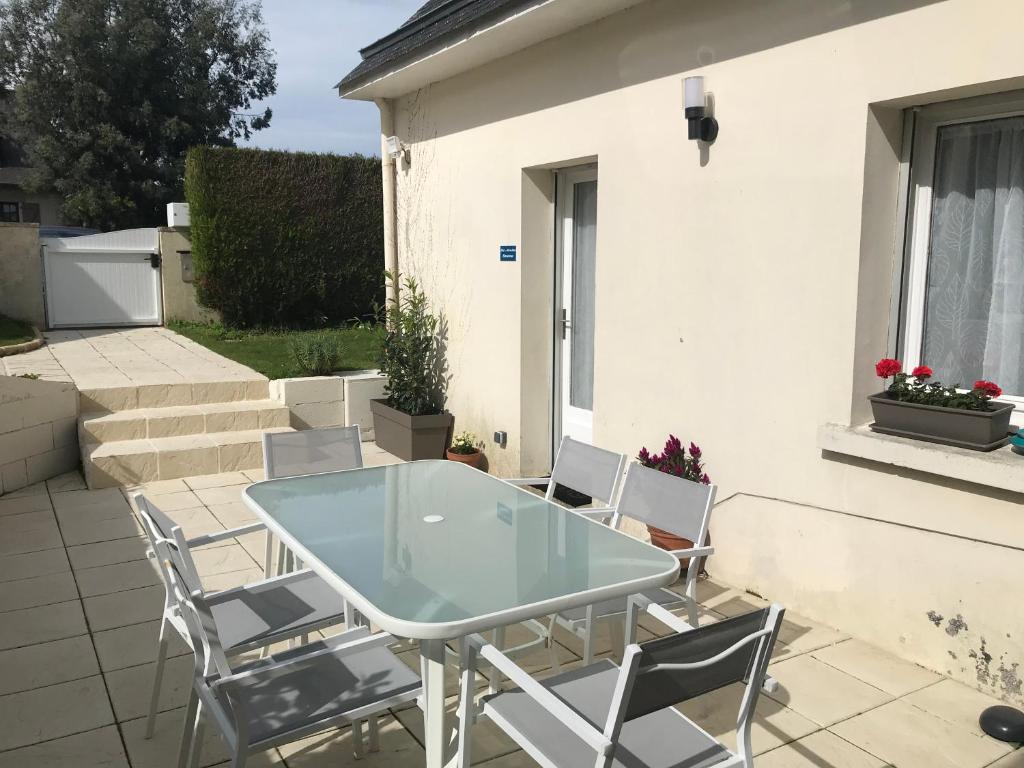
953, 702
35, 539
203, 482
107, 552
107, 579
99, 748
489, 741
12, 504
35, 666
40, 590
124, 608
876, 667
819, 750
162, 750
135, 644
904, 735
53, 711
1012, 760
333, 749
130, 688
42, 624
31, 564
69, 481
822, 693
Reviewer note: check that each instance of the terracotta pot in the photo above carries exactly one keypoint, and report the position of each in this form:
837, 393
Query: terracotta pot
669, 542
474, 459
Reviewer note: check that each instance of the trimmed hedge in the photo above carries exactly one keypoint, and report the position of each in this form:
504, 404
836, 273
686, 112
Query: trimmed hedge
285, 239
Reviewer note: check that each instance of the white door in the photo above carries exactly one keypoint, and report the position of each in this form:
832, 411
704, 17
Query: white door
103, 280
575, 310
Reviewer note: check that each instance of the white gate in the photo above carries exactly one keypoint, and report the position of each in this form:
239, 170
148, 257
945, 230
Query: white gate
112, 279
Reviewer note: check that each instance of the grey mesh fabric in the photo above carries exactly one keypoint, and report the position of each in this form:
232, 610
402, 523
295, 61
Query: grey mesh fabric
312, 451
618, 605
589, 470
655, 690
663, 739
245, 617
329, 687
665, 501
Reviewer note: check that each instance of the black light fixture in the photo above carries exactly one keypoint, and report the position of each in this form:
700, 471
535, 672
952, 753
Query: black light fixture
700, 125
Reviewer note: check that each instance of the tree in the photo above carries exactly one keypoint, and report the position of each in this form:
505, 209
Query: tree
107, 96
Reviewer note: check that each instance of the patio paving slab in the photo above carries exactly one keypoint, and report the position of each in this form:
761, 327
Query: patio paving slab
35, 666
134, 645
822, 693
819, 750
100, 748
42, 624
36, 591
878, 668
53, 711
953, 702
31, 564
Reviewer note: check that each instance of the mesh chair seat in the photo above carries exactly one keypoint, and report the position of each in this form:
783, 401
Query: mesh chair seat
662, 739
330, 687
247, 616
617, 606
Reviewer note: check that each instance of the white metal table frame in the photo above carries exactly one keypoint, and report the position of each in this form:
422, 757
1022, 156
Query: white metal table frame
433, 636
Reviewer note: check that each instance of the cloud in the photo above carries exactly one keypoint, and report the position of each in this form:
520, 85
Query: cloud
317, 43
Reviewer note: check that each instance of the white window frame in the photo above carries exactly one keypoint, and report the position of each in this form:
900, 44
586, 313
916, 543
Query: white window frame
927, 121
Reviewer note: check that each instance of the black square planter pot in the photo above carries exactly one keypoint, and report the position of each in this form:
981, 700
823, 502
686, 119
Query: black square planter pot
410, 437
977, 430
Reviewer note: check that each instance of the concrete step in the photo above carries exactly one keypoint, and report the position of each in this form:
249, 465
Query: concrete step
130, 462
137, 396
174, 421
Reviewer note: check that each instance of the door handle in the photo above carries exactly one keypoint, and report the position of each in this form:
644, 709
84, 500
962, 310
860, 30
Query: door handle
565, 323
154, 260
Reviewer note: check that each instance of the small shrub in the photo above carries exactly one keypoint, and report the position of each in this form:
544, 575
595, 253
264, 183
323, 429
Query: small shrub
464, 443
317, 354
32, 376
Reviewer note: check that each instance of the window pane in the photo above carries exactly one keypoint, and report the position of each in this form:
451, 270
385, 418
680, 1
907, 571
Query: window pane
584, 262
8, 211
974, 306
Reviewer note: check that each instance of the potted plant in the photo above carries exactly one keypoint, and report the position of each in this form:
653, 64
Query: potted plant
915, 406
463, 450
674, 460
410, 422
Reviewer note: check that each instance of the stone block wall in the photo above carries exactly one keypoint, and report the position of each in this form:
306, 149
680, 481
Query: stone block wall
330, 401
21, 274
38, 431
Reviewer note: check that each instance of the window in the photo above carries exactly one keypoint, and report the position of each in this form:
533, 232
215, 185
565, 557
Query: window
963, 291
8, 212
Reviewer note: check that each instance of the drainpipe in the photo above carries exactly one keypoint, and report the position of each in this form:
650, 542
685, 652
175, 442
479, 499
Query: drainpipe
388, 170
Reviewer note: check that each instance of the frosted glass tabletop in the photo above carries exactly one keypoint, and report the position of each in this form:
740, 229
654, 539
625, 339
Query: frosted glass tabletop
435, 550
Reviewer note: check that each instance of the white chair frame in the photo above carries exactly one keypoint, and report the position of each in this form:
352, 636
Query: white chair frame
604, 740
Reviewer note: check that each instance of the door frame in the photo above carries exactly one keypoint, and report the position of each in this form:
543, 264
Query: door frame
565, 179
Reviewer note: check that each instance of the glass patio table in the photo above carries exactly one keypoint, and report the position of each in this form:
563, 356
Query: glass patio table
435, 550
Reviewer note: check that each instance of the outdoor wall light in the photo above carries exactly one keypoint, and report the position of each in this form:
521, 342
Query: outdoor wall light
395, 148
700, 125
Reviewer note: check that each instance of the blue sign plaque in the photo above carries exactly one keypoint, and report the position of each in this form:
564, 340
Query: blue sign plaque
507, 252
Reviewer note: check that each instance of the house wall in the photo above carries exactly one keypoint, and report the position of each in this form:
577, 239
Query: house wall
49, 204
743, 290
179, 293
38, 431
21, 273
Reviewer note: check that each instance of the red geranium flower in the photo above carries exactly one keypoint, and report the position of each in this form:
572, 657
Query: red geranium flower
989, 388
887, 367
922, 372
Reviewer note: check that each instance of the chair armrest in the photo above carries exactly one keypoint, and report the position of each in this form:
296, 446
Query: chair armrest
545, 481
543, 696
666, 617
595, 513
345, 644
231, 533
274, 581
693, 552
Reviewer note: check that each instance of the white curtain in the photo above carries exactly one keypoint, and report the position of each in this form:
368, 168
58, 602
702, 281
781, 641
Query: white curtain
974, 306
584, 283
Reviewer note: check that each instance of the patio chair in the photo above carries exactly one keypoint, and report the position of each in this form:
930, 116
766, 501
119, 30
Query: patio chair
603, 715
590, 471
264, 703
673, 504
309, 452
248, 617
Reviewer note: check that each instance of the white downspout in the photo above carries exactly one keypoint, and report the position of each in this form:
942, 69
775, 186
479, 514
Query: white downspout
388, 170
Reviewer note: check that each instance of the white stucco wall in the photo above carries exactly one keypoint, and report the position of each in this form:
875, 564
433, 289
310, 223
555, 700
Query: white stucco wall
742, 292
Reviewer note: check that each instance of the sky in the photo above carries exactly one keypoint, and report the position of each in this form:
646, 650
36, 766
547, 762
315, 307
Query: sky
317, 42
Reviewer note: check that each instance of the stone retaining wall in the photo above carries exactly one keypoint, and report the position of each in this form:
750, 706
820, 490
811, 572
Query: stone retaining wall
330, 401
38, 431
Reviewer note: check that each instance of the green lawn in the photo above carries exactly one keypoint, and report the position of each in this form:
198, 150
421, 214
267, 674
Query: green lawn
270, 353
14, 332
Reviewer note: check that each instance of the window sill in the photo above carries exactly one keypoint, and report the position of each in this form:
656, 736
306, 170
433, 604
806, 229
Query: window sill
1002, 468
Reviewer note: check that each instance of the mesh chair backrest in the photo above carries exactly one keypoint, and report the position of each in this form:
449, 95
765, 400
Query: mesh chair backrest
166, 541
202, 630
588, 470
668, 502
287, 454
657, 689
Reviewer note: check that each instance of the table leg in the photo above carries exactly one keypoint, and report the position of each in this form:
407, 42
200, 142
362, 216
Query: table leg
433, 654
